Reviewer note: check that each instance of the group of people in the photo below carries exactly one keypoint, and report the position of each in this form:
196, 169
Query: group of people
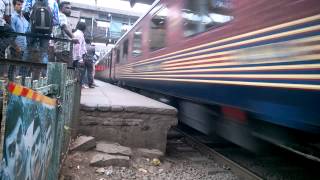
15, 16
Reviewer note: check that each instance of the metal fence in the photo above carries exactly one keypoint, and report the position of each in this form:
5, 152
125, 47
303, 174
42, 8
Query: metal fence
34, 48
39, 101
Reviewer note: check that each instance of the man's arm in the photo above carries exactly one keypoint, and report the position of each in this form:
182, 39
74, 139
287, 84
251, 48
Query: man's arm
69, 33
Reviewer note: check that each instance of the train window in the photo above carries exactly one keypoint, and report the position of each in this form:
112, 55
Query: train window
125, 48
201, 15
158, 29
137, 43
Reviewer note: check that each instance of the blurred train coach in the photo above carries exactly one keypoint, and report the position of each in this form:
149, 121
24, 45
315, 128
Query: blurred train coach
238, 68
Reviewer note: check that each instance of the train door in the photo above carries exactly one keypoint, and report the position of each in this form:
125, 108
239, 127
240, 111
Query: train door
109, 64
116, 63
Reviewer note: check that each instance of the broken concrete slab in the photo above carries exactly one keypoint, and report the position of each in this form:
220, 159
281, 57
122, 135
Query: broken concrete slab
113, 149
83, 143
149, 153
103, 160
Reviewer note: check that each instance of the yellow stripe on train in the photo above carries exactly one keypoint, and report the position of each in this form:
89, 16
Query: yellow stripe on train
241, 83
235, 76
268, 29
259, 68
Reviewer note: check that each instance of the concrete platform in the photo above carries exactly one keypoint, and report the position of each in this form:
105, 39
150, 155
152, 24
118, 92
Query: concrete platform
113, 114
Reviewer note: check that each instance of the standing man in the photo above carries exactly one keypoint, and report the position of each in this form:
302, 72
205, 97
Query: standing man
79, 50
89, 62
62, 31
20, 25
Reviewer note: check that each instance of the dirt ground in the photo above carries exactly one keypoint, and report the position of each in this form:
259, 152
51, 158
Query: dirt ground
174, 165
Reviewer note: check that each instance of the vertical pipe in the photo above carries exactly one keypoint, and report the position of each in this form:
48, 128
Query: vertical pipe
92, 27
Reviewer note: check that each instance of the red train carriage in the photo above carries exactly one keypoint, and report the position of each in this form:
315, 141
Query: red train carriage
254, 64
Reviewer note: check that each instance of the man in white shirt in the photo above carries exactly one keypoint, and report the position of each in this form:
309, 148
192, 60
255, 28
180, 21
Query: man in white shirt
79, 50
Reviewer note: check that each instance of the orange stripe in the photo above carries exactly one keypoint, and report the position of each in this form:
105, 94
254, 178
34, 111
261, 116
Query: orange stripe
19, 90
38, 97
11, 87
34, 96
24, 92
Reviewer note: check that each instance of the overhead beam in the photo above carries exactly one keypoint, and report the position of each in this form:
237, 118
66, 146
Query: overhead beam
133, 2
104, 10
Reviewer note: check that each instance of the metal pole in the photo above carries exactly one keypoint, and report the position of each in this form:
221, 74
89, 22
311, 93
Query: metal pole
92, 27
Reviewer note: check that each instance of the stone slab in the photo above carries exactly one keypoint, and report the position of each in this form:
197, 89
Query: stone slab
83, 143
149, 153
113, 149
103, 160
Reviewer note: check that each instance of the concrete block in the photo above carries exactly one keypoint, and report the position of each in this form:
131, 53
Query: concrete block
88, 122
103, 160
87, 108
104, 108
83, 143
136, 109
132, 120
122, 122
149, 153
117, 108
113, 149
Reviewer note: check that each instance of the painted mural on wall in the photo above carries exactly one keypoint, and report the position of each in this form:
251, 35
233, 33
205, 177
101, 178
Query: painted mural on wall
29, 139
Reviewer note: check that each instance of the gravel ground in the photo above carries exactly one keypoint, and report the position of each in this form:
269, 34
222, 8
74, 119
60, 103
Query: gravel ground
178, 164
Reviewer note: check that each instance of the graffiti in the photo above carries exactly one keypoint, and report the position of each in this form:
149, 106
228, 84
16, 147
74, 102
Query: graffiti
29, 139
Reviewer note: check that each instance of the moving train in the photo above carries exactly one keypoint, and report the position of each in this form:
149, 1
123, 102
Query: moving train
246, 70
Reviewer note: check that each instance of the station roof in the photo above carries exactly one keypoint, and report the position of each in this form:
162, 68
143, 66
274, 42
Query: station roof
105, 9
